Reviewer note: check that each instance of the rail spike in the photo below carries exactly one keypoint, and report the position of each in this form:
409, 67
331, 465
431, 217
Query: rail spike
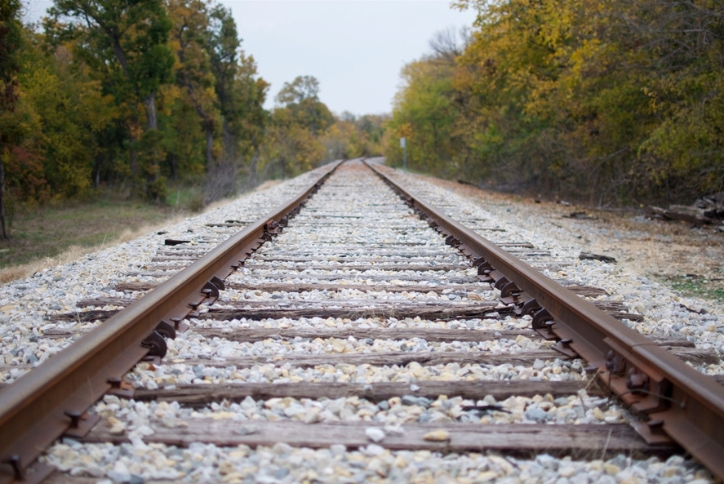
166, 330
509, 290
530, 306
218, 282
540, 318
156, 344
211, 290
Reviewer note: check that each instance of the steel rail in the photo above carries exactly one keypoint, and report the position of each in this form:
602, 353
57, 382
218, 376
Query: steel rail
44, 403
681, 403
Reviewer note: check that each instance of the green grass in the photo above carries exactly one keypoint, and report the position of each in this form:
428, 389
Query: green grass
697, 287
188, 198
48, 231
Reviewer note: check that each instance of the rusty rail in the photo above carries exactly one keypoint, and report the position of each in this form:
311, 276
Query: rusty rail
681, 403
50, 400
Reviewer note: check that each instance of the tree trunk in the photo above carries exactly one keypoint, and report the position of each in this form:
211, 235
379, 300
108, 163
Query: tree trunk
209, 128
4, 233
151, 111
253, 179
97, 176
208, 124
133, 148
133, 155
172, 166
229, 150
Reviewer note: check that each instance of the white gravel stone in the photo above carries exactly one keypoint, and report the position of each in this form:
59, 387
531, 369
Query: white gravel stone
280, 463
25, 304
661, 307
375, 434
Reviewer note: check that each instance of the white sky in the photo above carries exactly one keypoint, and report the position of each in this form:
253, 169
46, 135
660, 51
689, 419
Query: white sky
355, 48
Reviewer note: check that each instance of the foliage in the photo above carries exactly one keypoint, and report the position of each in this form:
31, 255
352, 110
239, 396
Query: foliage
11, 39
14, 122
193, 67
607, 102
136, 95
301, 89
125, 47
294, 144
354, 137
425, 115
70, 112
302, 133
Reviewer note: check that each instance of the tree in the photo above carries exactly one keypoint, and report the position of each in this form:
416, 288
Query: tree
296, 129
240, 95
301, 89
124, 42
11, 36
193, 72
223, 46
301, 99
427, 104
71, 111
607, 102
113, 90
250, 119
352, 137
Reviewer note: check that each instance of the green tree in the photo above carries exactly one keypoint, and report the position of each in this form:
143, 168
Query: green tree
352, 137
125, 44
11, 36
607, 102
301, 89
72, 113
224, 48
193, 69
300, 99
296, 128
425, 115
246, 124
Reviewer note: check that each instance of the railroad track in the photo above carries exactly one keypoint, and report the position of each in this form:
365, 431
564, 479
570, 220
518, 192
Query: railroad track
355, 334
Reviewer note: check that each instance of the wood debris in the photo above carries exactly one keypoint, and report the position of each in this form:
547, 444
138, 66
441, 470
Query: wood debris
603, 258
707, 210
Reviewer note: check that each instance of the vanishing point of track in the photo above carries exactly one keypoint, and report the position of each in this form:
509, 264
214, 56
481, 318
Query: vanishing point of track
326, 256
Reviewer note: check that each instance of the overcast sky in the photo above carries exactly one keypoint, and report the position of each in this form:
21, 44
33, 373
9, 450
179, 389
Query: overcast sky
355, 48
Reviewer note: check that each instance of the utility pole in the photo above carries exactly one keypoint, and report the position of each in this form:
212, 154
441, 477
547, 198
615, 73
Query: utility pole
403, 144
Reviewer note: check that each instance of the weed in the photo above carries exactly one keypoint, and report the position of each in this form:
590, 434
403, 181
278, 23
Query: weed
696, 286
196, 203
186, 198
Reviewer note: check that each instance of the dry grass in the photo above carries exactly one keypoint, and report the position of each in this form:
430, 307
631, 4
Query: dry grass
53, 236
266, 185
12, 273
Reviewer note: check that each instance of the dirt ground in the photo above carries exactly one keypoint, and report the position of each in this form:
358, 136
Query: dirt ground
688, 259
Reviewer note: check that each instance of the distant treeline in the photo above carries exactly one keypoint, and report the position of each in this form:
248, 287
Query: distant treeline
134, 94
603, 101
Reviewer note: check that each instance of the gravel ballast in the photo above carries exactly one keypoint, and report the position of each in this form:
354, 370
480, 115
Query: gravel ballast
196, 359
